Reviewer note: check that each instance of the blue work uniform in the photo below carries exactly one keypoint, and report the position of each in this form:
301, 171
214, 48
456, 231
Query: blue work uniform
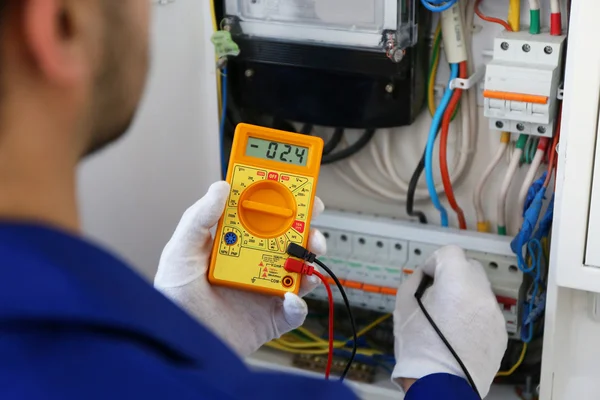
76, 323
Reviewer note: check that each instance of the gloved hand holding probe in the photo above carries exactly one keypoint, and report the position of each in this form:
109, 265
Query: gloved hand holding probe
465, 310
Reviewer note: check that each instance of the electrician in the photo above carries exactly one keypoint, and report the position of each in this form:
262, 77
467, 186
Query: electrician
77, 323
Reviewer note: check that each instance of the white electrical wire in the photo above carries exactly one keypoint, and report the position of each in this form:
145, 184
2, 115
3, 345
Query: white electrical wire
389, 169
471, 93
555, 6
512, 146
351, 182
508, 178
534, 4
363, 183
371, 184
478, 192
366, 185
529, 178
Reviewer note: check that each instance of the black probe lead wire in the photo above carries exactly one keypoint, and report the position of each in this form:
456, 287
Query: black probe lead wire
352, 322
425, 282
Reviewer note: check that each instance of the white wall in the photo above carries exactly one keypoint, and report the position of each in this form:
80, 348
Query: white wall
133, 193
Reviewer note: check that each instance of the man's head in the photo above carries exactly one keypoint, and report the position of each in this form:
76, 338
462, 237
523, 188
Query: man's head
72, 74
78, 66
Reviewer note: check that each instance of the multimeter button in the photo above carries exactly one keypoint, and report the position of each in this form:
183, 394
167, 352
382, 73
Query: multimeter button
299, 226
231, 238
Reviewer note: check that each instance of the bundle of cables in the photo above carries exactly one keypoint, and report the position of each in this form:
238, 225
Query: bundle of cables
452, 19
303, 341
456, 53
530, 244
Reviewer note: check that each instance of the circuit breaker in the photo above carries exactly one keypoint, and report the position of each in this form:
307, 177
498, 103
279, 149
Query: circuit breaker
373, 260
522, 83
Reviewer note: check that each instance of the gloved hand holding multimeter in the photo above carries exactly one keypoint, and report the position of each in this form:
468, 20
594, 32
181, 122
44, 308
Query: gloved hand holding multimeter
243, 319
267, 205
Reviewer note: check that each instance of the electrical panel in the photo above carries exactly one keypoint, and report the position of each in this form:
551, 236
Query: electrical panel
522, 83
338, 63
372, 256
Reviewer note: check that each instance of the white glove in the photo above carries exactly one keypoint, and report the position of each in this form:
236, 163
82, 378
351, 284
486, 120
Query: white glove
244, 320
462, 304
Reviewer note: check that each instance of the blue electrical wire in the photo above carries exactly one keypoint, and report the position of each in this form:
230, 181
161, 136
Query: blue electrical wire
223, 119
527, 238
438, 5
435, 126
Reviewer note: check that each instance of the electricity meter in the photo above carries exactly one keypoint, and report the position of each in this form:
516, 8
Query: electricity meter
340, 63
380, 25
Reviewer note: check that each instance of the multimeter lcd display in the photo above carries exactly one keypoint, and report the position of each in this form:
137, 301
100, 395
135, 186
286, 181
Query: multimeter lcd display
276, 151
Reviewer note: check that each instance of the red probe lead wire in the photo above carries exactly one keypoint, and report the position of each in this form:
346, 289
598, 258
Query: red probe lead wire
299, 267
330, 299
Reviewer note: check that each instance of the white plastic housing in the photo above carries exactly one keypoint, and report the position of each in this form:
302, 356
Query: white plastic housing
380, 253
524, 64
347, 23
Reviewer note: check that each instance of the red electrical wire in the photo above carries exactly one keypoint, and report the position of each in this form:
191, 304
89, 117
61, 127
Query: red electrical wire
553, 160
462, 222
556, 24
330, 298
490, 19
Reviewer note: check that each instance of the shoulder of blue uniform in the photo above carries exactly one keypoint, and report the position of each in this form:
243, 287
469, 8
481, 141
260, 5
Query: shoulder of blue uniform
55, 276
441, 387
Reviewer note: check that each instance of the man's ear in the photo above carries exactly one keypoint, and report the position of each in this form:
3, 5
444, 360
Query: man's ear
49, 29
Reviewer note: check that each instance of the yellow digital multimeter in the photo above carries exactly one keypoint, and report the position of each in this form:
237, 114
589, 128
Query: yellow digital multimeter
273, 176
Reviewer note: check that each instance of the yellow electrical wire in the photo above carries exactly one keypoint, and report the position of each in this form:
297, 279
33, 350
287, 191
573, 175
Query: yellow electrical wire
517, 364
213, 13
514, 15
433, 74
546, 249
362, 352
322, 343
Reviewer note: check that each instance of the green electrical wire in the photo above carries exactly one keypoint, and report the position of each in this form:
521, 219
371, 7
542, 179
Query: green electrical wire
534, 27
533, 148
433, 69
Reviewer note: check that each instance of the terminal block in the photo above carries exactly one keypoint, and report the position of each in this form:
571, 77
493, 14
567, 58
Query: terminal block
522, 82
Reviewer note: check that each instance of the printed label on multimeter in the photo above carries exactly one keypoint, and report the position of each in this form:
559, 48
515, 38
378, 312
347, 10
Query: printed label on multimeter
273, 181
